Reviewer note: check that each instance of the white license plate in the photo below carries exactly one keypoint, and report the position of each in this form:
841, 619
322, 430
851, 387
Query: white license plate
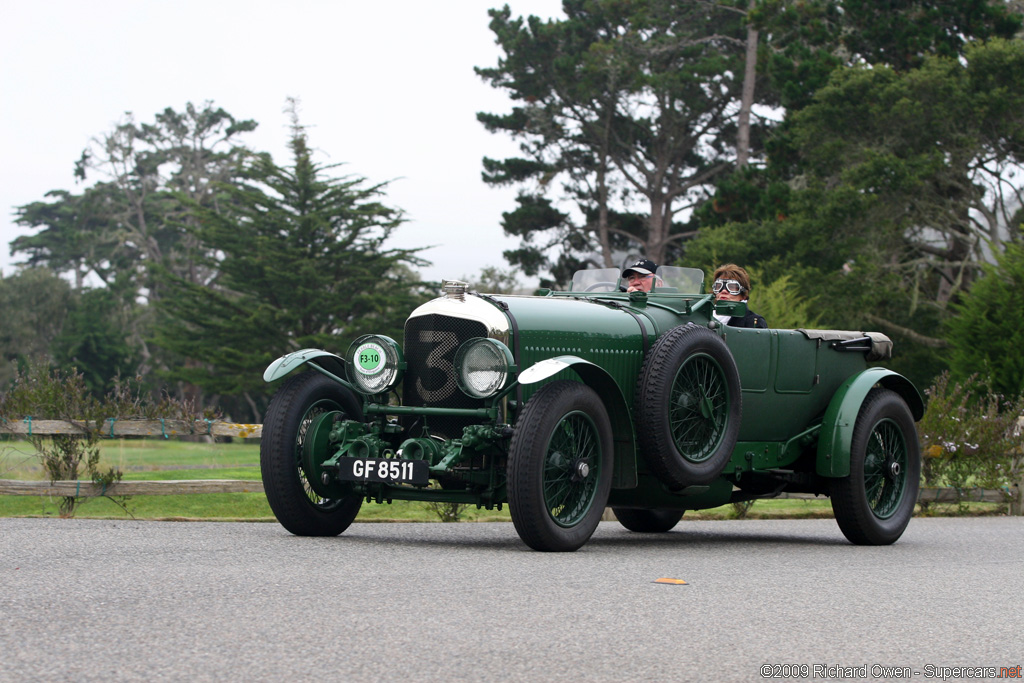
388, 471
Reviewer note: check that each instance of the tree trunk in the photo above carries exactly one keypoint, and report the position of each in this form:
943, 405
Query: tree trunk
658, 228
602, 218
747, 98
257, 416
956, 278
604, 238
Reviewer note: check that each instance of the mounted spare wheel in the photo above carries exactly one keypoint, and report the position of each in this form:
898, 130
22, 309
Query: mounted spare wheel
688, 406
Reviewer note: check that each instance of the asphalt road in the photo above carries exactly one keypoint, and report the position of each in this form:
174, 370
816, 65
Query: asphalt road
86, 600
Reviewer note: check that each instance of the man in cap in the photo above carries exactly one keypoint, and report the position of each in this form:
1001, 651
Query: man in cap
640, 276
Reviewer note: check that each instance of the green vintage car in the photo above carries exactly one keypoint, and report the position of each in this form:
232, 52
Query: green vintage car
564, 403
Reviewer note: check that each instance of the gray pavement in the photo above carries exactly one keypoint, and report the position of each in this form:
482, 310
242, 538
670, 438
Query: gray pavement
90, 600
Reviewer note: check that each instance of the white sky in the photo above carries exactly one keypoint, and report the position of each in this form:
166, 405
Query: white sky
388, 88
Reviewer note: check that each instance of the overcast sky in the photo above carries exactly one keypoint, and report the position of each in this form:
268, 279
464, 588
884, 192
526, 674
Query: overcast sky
388, 88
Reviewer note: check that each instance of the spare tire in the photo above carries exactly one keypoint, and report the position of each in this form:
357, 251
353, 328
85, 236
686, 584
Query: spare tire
688, 406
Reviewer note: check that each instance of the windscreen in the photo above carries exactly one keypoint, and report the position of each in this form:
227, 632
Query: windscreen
598, 280
671, 280
681, 280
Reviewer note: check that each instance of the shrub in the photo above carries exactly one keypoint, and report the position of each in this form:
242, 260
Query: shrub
40, 393
971, 438
783, 304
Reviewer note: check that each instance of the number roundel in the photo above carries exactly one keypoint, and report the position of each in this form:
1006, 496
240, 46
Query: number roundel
370, 358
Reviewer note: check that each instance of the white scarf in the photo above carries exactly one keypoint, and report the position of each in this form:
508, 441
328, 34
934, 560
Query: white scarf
724, 319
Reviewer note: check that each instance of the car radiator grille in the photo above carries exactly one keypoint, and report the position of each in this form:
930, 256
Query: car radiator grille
430, 345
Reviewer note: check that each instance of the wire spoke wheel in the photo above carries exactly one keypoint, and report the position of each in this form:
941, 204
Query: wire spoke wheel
315, 411
560, 466
875, 502
688, 406
293, 422
885, 465
572, 469
698, 408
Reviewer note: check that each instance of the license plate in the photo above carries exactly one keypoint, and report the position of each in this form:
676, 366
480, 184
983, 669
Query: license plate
388, 471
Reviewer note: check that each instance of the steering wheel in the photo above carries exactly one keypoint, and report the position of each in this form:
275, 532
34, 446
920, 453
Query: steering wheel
601, 286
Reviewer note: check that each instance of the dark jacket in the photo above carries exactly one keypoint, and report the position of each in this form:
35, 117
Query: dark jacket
751, 319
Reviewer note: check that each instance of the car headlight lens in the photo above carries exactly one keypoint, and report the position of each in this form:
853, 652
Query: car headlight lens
374, 363
484, 366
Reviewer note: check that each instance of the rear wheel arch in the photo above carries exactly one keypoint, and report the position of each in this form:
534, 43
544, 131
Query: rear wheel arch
836, 437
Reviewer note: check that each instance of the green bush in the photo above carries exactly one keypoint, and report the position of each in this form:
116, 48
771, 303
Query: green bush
985, 334
970, 438
41, 393
783, 305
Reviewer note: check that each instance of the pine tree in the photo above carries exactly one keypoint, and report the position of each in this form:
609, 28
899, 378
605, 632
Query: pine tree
301, 261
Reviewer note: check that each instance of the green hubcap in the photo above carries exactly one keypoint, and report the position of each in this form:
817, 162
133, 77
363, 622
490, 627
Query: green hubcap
885, 469
698, 408
572, 469
309, 419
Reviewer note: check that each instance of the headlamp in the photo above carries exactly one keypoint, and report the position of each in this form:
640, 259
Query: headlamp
483, 367
374, 363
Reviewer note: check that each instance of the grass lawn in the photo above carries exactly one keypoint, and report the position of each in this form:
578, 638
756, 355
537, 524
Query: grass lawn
155, 459
149, 459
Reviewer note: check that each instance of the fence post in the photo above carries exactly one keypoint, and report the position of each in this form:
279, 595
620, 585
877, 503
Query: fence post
1015, 502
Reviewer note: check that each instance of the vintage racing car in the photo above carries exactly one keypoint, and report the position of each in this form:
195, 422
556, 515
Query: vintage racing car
564, 403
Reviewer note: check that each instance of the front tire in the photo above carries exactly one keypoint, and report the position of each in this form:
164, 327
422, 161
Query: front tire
874, 504
648, 521
293, 410
560, 467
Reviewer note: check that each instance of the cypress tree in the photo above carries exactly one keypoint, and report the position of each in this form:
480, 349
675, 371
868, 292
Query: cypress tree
300, 259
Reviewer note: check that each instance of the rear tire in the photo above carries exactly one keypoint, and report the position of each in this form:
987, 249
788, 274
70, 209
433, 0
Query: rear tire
293, 410
874, 504
648, 521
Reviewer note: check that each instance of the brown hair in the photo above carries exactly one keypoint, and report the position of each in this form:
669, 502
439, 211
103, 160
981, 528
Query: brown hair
730, 271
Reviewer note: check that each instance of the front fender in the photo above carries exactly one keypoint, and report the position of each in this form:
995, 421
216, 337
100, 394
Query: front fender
326, 362
598, 379
836, 437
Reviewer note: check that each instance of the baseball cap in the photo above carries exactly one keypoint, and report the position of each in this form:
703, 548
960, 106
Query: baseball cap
643, 266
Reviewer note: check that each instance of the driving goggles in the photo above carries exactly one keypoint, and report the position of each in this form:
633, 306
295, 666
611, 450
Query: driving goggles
730, 286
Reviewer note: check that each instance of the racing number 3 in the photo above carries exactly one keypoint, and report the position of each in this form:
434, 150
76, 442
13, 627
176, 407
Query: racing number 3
440, 358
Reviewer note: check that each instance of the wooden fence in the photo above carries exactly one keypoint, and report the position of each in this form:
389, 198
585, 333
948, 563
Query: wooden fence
117, 428
181, 428
114, 428
166, 487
